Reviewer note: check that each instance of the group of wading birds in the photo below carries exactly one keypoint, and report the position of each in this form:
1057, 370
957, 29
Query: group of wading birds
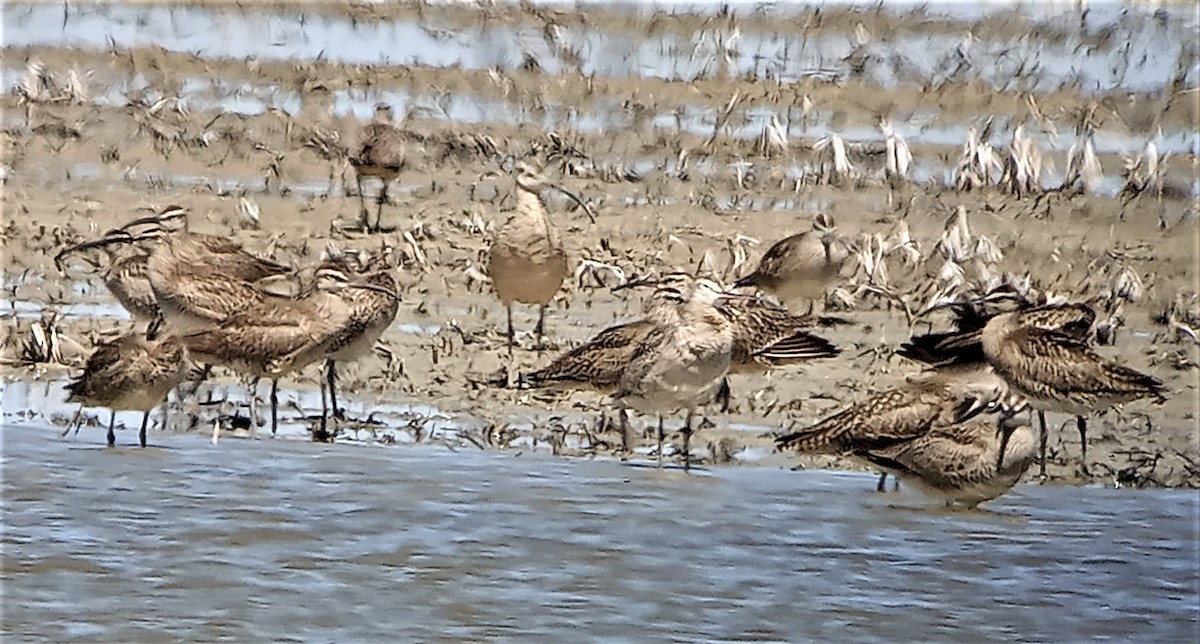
203, 300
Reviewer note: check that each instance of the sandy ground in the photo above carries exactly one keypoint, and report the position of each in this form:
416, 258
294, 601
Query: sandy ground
73, 170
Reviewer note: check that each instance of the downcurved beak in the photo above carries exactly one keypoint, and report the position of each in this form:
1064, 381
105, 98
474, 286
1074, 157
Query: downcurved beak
582, 204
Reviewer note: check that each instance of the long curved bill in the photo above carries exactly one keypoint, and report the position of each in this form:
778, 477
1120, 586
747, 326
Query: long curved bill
582, 204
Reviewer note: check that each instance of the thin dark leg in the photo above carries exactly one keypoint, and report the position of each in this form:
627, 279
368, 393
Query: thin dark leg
660, 440
383, 197
511, 333
687, 442
331, 380
539, 330
1081, 423
274, 405
75, 422
1042, 445
142, 431
324, 426
112, 421
882, 485
363, 217
624, 431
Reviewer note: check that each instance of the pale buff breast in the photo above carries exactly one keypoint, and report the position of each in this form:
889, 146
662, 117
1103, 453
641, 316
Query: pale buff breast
530, 274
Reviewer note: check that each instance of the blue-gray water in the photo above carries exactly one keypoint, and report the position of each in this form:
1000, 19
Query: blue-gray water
275, 539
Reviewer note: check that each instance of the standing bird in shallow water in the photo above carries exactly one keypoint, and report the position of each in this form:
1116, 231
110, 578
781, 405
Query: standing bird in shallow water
526, 262
371, 313
380, 153
279, 335
133, 372
682, 362
1057, 372
800, 266
968, 463
964, 346
942, 399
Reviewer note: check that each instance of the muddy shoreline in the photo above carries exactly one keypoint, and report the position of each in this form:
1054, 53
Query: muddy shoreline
74, 167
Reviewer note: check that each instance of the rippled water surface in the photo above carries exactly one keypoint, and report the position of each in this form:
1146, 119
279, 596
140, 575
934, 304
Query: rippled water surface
254, 540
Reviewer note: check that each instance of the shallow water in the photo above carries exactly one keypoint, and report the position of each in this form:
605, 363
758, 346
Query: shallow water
250, 540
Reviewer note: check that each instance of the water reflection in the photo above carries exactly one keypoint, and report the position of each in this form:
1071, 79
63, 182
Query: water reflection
259, 540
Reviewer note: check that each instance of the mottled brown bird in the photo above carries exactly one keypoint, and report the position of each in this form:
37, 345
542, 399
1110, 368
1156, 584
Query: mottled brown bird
526, 262
966, 463
1057, 372
964, 346
134, 372
372, 311
680, 365
766, 337
379, 153
940, 399
126, 275
800, 266
279, 335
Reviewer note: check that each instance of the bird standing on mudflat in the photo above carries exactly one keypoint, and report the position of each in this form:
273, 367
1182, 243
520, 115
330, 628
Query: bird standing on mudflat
372, 311
802, 265
1057, 372
964, 345
379, 153
526, 262
681, 363
134, 372
280, 334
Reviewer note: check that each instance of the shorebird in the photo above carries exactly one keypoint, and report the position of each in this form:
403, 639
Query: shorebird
372, 311
966, 463
279, 334
1057, 372
526, 262
800, 266
127, 276
941, 399
763, 337
379, 153
964, 345
681, 364
197, 280
133, 372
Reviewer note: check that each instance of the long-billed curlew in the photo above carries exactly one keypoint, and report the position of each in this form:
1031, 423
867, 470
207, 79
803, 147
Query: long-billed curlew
1057, 372
379, 153
526, 262
371, 313
278, 334
940, 399
133, 372
964, 346
800, 266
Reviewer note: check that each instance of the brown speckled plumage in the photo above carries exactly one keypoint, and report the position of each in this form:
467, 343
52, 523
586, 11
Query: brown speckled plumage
766, 336
380, 152
802, 265
962, 345
1058, 372
130, 373
960, 462
938, 400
